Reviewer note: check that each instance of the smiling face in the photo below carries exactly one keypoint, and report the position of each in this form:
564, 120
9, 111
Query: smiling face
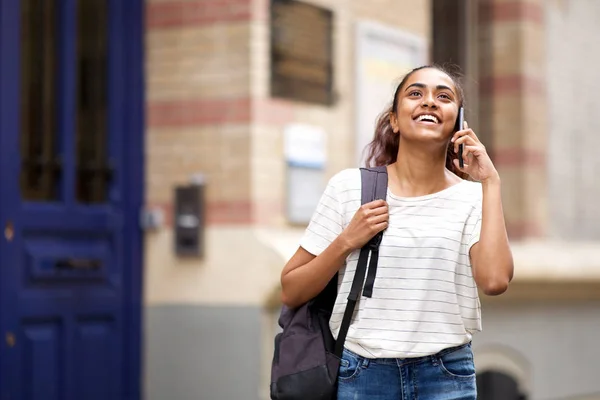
426, 107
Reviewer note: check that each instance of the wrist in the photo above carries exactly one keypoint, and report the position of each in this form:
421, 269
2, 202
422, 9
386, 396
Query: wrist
491, 181
344, 244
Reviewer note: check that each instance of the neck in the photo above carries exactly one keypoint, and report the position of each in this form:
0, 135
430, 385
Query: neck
419, 171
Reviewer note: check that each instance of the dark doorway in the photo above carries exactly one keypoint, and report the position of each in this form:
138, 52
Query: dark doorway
494, 385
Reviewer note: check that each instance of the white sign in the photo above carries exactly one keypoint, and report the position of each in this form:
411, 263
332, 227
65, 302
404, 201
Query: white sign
306, 155
383, 56
305, 145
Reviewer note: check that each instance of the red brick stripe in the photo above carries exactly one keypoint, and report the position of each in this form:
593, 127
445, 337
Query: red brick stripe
217, 213
513, 11
512, 84
178, 14
198, 112
515, 157
523, 229
231, 212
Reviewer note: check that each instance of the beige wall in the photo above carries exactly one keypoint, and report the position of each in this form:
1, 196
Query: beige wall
573, 83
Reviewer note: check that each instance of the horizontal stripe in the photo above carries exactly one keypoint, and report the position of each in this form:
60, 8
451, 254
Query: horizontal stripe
217, 212
198, 112
519, 157
192, 13
524, 229
341, 294
511, 11
517, 84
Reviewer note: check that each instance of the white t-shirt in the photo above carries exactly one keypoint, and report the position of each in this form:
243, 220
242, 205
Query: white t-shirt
425, 298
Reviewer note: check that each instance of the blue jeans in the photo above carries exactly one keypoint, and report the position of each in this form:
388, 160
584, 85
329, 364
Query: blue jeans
447, 375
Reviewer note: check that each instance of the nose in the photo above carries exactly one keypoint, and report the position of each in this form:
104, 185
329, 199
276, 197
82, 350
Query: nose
429, 101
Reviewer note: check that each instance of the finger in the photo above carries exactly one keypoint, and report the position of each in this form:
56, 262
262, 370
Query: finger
471, 133
465, 125
377, 219
380, 210
466, 140
470, 152
376, 204
459, 134
472, 149
463, 133
381, 226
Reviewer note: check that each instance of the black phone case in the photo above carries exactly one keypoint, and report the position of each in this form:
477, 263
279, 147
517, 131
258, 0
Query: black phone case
459, 126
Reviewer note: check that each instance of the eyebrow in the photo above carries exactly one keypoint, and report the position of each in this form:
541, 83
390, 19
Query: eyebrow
438, 87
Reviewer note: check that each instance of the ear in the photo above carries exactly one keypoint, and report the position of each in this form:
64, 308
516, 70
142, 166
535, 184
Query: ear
394, 122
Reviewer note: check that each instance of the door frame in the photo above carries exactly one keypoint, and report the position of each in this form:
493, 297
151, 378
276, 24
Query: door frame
132, 174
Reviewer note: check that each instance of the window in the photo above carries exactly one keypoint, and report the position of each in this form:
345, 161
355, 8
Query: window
40, 164
301, 52
45, 123
93, 170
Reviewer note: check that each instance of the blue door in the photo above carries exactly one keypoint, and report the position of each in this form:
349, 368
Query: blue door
71, 132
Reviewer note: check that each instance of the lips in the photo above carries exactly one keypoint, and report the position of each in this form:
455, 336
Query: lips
427, 118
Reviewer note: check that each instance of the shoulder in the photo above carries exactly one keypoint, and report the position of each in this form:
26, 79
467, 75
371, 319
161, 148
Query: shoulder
345, 179
472, 190
345, 186
472, 187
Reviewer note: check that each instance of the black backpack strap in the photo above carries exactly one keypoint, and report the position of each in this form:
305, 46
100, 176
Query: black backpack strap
374, 183
378, 180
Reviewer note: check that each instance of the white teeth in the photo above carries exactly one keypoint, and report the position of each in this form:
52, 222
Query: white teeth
425, 117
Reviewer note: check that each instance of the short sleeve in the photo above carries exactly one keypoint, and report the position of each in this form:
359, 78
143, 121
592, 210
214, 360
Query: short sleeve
475, 222
326, 223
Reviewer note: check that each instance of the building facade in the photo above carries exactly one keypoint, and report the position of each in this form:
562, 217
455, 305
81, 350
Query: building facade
160, 160
212, 90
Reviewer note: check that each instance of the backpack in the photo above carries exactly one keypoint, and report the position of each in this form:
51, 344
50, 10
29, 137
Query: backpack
307, 357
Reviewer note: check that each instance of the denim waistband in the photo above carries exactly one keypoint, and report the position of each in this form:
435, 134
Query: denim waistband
398, 361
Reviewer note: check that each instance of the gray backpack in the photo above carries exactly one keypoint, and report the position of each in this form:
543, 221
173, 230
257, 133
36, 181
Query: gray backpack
307, 357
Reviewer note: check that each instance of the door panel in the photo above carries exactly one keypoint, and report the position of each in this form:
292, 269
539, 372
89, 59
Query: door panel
42, 358
70, 264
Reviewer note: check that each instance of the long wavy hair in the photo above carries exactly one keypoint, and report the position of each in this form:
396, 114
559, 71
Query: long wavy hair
383, 149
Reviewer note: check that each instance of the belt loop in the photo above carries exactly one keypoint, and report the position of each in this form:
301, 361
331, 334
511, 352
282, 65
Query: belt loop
434, 359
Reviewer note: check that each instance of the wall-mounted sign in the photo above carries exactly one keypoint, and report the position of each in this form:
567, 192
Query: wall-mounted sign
306, 156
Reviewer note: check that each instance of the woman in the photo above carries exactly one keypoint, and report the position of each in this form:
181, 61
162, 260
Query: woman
444, 238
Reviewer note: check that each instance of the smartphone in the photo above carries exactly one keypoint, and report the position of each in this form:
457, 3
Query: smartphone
460, 122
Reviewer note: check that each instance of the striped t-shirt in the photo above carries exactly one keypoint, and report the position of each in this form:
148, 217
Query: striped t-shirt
425, 298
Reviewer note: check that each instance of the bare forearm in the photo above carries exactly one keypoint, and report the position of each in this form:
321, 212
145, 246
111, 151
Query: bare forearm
305, 282
494, 263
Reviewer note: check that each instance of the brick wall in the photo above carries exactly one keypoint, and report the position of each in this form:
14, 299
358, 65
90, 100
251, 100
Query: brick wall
198, 102
513, 104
